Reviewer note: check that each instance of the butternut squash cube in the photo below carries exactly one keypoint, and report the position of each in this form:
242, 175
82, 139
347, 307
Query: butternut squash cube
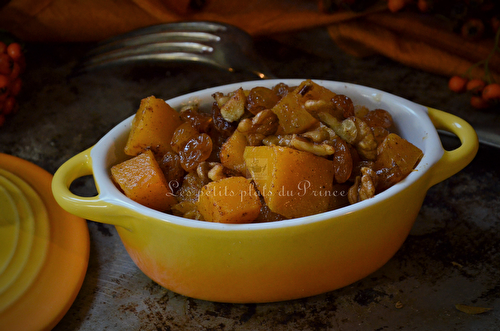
231, 152
152, 127
322, 98
293, 183
142, 180
316, 91
292, 114
395, 149
229, 200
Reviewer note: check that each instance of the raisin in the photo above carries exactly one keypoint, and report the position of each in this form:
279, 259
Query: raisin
220, 124
342, 161
387, 177
261, 98
195, 151
378, 117
184, 133
282, 89
345, 104
170, 165
200, 121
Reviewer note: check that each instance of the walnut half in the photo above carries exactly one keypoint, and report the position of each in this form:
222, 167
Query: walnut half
364, 186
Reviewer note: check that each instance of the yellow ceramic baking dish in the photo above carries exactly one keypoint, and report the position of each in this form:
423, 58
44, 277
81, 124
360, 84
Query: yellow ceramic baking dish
265, 262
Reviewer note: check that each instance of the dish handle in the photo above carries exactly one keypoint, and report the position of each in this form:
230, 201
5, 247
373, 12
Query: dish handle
453, 161
91, 208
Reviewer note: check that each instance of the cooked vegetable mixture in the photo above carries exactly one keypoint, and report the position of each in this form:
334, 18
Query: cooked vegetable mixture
261, 155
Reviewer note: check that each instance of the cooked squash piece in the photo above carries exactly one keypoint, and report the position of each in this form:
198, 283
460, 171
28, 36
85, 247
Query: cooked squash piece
293, 183
259, 163
400, 151
142, 180
152, 127
229, 200
231, 152
292, 114
319, 99
315, 91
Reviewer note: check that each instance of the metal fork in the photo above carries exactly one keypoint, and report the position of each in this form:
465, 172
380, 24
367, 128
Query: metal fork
216, 44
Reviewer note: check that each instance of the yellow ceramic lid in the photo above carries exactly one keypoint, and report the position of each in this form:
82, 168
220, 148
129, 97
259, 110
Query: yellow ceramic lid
44, 250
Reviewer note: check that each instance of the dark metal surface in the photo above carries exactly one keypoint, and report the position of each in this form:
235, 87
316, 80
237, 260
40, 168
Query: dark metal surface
451, 257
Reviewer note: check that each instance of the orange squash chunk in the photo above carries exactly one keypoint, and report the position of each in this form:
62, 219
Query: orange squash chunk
322, 99
293, 183
399, 151
292, 113
142, 180
152, 127
231, 152
229, 200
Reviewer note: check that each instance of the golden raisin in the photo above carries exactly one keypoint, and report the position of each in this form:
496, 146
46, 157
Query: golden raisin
200, 121
182, 135
261, 98
378, 117
220, 124
342, 161
195, 151
387, 177
170, 165
282, 89
345, 103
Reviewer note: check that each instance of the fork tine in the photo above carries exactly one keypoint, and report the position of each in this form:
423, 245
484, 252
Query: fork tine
182, 31
201, 26
163, 36
160, 51
216, 44
162, 57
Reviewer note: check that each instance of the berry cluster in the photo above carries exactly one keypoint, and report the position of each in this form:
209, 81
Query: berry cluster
485, 92
483, 95
473, 19
12, 65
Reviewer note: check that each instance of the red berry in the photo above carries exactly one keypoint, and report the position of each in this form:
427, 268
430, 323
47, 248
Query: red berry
5, 64
457, 84
491, 93
16, 71
473, 29
396, 5
14, 50
3, 47
424, 5
4, 84
9, 105
22, 63
475, 86
495, 23
478, 102
16, 86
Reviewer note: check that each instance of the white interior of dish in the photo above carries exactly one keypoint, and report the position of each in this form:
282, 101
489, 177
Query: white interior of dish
411, 122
